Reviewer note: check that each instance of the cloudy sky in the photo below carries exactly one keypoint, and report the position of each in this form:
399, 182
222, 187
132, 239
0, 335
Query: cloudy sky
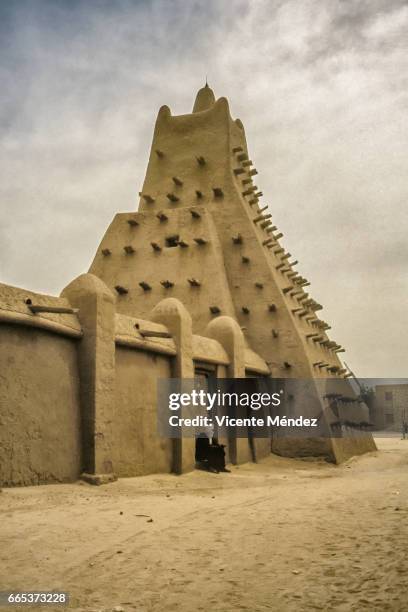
320, 85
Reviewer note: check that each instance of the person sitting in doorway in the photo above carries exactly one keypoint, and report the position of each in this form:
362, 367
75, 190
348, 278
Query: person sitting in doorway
217, 456
210, 455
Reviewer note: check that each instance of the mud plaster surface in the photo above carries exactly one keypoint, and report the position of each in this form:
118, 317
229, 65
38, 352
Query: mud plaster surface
282, 535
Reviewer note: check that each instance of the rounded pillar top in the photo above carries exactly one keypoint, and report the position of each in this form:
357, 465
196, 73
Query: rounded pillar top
171, 308
205, 99
88, 284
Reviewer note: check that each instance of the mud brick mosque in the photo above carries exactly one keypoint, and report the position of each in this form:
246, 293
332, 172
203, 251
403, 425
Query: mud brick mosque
196, 283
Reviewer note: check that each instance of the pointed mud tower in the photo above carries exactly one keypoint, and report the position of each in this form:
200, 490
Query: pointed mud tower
202, 236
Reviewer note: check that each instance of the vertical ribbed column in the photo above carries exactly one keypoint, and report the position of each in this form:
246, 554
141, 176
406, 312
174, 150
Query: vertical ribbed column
96, 354
172, 313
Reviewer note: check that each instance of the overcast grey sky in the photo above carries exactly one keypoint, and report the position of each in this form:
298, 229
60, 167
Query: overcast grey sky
320, 85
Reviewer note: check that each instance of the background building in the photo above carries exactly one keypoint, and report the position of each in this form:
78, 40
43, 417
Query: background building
390, 406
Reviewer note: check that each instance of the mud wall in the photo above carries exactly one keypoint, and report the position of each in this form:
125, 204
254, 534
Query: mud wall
137, 449
39, 407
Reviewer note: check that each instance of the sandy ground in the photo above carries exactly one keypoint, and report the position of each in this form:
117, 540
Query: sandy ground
281, 535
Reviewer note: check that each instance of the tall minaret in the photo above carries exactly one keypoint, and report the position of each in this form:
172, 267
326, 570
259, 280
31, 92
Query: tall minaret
203, 236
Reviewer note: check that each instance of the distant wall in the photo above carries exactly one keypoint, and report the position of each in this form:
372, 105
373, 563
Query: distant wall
39, 407
137, 449
390, 409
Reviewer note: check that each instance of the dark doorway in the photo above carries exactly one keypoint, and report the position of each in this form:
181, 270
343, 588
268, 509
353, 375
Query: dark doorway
209, 454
